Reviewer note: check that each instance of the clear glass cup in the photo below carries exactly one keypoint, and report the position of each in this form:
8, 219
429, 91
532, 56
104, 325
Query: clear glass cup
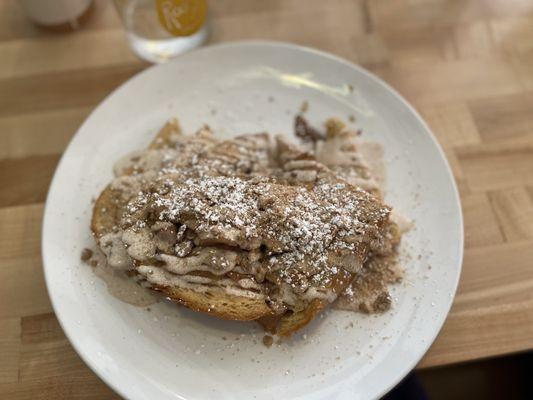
161, 29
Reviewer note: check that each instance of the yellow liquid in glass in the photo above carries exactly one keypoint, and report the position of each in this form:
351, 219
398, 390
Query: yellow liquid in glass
181, 17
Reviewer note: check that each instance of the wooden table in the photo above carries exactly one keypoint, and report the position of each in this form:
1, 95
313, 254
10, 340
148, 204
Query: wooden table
467, 66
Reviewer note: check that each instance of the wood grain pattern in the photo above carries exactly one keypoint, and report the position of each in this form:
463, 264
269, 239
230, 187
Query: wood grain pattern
465, 65
28, 179
56, 90
24, 292
39, 133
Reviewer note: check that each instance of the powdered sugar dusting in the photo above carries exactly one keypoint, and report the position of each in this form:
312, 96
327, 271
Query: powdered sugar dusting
282, 225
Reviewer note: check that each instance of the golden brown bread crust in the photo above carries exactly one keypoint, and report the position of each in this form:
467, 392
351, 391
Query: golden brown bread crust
105, 212
290, 322
217, 303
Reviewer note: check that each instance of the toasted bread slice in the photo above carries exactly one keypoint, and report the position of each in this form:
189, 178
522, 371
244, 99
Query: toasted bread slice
298, 169
106, 217
301, 168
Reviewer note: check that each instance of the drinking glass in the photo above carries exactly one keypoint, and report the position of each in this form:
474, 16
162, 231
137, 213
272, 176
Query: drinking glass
161, 29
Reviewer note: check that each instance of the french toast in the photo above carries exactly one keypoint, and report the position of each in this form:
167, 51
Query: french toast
111, 202
242, 229
359, 162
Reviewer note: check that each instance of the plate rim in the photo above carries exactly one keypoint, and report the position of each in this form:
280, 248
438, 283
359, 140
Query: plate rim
71, 336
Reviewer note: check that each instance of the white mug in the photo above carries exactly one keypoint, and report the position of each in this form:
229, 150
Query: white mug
55, 12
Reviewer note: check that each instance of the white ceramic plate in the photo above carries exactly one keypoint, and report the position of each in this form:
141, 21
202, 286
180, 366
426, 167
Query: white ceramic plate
172, 353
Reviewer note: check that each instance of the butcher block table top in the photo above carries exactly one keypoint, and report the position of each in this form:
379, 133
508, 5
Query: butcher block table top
466, 66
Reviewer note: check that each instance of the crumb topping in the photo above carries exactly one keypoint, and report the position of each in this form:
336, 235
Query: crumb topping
294, 229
